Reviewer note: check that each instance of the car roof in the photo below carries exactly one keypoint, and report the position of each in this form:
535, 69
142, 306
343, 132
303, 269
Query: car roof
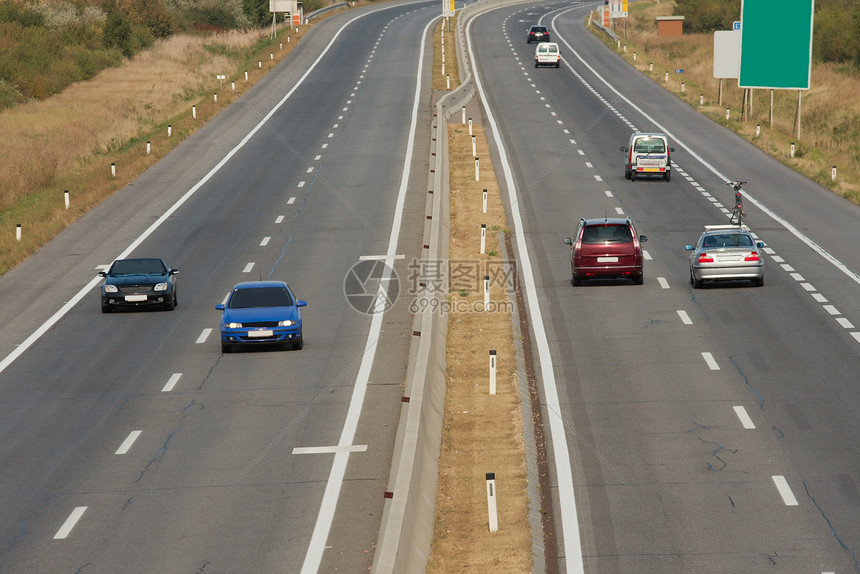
606, 220
724, 228
649, 134
253, 284
538, 27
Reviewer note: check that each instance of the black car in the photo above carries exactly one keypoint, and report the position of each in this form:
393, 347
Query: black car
141, 282
538, 34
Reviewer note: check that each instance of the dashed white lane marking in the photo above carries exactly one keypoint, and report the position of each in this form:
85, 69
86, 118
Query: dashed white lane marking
619, 211
784, 490
331, 135
744, 417
265, 241
330, 449
70, 522
171, 382
709, 359
608, 193
685, 319
663, 283
310, 170
646, 255
129, 440
325, 145
598, 178
580, 152
301, 184
832, 310
279, 219
203, 336
846, 324
291, 200
588, 164
248, 267
819, 297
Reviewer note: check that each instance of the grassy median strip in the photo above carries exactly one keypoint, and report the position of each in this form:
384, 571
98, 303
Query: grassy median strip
482, 433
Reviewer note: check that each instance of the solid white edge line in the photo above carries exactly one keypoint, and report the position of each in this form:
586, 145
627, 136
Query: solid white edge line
317, 544
744, 417
129, 440
52, 320
561, 456
329, 449
784, 490
70, 522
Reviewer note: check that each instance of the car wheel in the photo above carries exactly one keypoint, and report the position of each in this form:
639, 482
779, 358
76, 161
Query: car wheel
537, 65
697, 284
626, 174
758, 281
639, 279
576, 281
668, 175
557, 64
632, 175
170, 304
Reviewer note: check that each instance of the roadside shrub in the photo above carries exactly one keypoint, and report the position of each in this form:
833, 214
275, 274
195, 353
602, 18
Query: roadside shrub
21, 14
117, 33
9, 95
703, 16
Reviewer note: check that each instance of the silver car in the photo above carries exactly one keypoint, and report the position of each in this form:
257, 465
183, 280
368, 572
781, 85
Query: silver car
724, 253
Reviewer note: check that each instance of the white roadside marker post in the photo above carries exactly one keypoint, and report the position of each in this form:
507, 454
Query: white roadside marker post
491, 502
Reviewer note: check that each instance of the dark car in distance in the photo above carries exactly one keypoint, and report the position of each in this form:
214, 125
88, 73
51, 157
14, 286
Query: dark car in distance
138, 282
606, 248
538, 34
261, 313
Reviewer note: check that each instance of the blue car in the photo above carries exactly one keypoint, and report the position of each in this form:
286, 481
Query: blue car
261, 313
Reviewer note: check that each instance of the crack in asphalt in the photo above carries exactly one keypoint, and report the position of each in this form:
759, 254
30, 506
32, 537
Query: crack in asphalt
830, 526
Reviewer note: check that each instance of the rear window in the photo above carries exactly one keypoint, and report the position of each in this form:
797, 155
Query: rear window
260, 297
650, 145
728, 240
538, 28
601, 234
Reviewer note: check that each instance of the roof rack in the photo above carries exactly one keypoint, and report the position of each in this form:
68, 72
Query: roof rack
726, 226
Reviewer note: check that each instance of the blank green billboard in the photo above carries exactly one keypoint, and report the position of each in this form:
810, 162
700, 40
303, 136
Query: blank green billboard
776, 44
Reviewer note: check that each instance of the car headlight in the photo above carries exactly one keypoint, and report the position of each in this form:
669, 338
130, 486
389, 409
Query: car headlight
234, 325
111, 289
160, 287
286, 323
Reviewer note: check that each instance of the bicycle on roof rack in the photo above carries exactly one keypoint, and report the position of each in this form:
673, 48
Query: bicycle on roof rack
738, 212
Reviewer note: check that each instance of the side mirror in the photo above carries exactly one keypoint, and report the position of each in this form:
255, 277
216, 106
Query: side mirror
219, 306
568, 241
643, 238
102, 273
173, 272
760, 244
623, 148
671, 149
301, 303
688, 247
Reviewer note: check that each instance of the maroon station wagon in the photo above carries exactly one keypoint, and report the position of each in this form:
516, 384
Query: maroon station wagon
606, 248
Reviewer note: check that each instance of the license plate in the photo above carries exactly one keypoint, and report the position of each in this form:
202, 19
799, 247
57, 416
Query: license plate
650, 169
607, 260
135, 298
261, 334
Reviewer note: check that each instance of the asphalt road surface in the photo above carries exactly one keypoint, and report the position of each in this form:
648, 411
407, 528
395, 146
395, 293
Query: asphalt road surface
710, 430
129, 442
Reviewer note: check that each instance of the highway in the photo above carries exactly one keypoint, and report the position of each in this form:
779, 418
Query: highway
129, 442
710, 430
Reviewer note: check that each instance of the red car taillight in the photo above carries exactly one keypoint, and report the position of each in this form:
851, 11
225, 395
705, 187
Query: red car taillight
752, 257
705, 258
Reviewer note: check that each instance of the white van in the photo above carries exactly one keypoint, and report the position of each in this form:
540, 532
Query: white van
648, 154
546, 54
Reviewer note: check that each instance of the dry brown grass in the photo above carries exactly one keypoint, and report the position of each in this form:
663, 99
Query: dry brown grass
70, 140
482, 433
440, 82
830, 119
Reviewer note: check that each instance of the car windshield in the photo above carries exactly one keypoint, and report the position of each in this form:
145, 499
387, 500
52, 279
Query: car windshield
728, 240
260, 297
649, 145
599, 234
138, 267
